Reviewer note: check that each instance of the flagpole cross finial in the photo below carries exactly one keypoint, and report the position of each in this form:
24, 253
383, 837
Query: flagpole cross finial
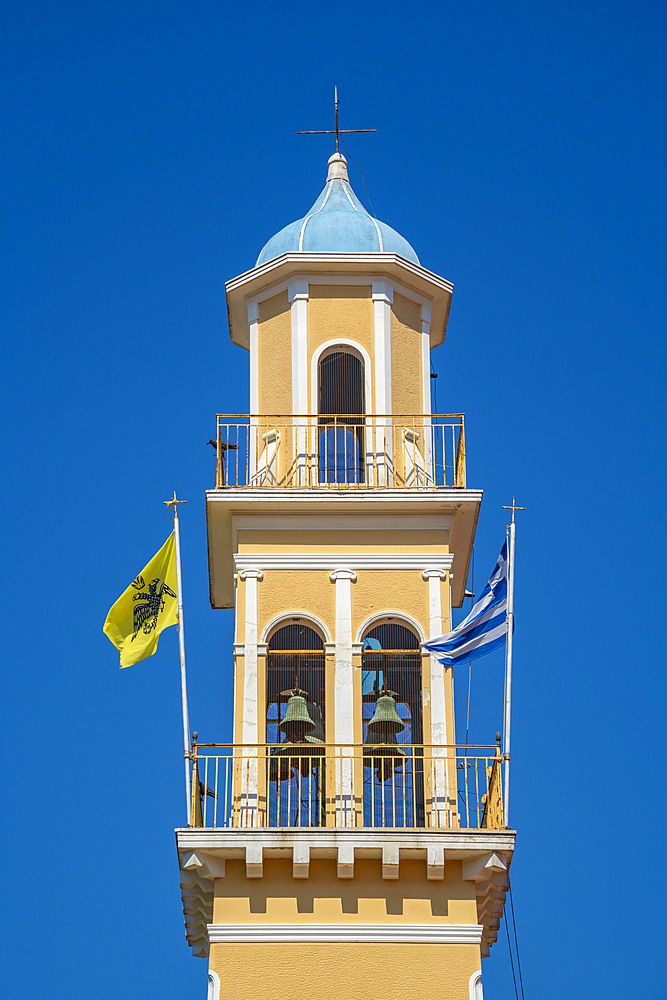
513, 508
173, 505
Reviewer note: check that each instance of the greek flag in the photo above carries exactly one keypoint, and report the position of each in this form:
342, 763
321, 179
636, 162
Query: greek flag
485, 627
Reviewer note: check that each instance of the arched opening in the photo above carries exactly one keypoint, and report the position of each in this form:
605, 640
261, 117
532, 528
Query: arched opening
393, 728
341, 405
295, 726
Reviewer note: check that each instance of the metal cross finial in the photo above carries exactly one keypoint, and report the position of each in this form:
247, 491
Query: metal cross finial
337, 131
173, 505
513, 508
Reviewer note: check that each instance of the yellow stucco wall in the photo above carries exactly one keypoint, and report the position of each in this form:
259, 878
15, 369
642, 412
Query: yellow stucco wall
289, 592
275, 355
344, 311
406, 362
286, 592
324, 898
345, 971
363, 540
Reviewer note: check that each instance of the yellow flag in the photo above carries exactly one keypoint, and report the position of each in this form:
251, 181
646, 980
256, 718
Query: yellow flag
145, 608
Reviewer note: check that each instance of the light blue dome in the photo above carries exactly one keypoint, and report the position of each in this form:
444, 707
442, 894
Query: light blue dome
337, 222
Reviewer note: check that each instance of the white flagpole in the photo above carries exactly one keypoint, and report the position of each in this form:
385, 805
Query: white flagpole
181, 649
508, 663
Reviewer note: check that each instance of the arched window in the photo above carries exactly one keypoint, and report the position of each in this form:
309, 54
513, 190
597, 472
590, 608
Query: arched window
392, 718
295, 661
295, 722
341, 408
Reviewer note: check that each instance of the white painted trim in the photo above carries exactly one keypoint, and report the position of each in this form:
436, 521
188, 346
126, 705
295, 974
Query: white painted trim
346, 933
298, 298
356, 560
426, 369
250, 704
475, 986
383, 296
335, 522
399, 616
355, 260
213, 985
343, 692
314, 362
287, 618
253, 346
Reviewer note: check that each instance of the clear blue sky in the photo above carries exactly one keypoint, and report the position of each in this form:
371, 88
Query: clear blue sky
148, 151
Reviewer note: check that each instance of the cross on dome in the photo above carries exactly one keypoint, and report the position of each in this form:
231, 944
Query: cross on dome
336, 131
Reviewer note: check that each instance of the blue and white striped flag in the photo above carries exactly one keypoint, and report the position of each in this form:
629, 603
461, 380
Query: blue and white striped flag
485, 627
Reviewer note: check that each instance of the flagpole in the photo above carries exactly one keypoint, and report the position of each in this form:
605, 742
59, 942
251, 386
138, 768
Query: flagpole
508, 674
508, 663
181, 649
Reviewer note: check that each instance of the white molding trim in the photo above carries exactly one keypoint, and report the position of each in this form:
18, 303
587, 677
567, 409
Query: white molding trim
346, 933
314, 362
253, 333
475, 986
213, 985
353, 560
343, 691
383, 296
297, 294
289, 617
397, 615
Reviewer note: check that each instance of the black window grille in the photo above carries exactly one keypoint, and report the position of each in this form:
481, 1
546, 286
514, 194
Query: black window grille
341, 405
296, 780
393, 781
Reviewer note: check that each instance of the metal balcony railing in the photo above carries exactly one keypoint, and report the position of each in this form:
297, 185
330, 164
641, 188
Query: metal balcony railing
346, 786
339, 452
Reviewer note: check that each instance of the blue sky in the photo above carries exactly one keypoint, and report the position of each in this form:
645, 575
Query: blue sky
148, 152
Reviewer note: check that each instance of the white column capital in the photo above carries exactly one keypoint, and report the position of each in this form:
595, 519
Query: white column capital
383, 290
251, 574
428, 573
297, 289
343, 574
253, 311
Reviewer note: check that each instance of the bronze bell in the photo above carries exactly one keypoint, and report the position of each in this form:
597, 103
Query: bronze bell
300, 746
386, 720
297, 721
382, 730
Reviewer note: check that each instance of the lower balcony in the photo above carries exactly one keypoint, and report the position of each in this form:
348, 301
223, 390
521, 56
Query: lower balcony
370, 786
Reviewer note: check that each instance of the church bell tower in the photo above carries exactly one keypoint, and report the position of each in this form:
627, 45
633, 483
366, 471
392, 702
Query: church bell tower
341, 845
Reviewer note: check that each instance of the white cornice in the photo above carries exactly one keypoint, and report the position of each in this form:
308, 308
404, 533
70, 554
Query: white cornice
367, 499
275, 275
353, 560
346, 933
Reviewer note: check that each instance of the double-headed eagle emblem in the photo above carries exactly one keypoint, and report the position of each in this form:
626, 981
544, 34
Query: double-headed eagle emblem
148, 605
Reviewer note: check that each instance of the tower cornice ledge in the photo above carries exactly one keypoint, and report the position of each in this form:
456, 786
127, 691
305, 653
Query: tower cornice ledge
485, 856
275, 275
223, 506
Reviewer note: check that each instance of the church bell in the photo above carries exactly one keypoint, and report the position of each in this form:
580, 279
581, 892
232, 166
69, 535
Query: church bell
299, 741
382, 729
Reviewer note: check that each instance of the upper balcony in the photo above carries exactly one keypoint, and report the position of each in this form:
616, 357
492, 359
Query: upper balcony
341, 451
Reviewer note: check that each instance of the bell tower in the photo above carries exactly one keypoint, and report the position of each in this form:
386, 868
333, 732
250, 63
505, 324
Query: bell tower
341, 844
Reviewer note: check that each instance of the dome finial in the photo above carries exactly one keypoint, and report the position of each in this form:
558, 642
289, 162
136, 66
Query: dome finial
337, 168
